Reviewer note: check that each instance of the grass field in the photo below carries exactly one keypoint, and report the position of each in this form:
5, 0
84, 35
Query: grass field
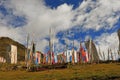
109, 71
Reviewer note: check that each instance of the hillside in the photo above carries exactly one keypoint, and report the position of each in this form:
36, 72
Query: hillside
109, 71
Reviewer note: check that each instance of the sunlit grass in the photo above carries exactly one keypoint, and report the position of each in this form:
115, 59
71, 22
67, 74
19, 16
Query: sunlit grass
76, 72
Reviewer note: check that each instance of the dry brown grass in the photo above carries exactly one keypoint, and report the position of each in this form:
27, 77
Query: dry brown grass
76, 72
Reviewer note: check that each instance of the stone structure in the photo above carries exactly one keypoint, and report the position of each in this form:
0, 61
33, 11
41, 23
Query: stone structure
8, 52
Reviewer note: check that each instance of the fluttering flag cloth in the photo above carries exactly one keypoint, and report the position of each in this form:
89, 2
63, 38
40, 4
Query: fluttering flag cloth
83, 53
53, 59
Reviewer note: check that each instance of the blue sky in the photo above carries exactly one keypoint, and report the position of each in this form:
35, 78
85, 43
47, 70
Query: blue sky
83, 19
55, 3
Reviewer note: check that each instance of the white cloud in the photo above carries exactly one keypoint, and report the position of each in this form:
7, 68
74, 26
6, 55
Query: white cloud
40, 18
99, 13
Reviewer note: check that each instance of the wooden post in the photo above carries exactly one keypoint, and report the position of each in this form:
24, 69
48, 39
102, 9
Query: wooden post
73, 52
108, 54
26, 53
104, 56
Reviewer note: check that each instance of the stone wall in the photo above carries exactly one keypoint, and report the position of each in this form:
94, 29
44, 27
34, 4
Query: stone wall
5, 48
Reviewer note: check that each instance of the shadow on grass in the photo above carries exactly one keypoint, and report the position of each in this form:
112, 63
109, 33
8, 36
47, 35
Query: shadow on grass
97, 78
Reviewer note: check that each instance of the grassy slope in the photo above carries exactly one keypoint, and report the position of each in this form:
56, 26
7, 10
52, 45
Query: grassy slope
95, 71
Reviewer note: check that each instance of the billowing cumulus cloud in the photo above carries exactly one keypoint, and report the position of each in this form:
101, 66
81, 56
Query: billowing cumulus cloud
98, 14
